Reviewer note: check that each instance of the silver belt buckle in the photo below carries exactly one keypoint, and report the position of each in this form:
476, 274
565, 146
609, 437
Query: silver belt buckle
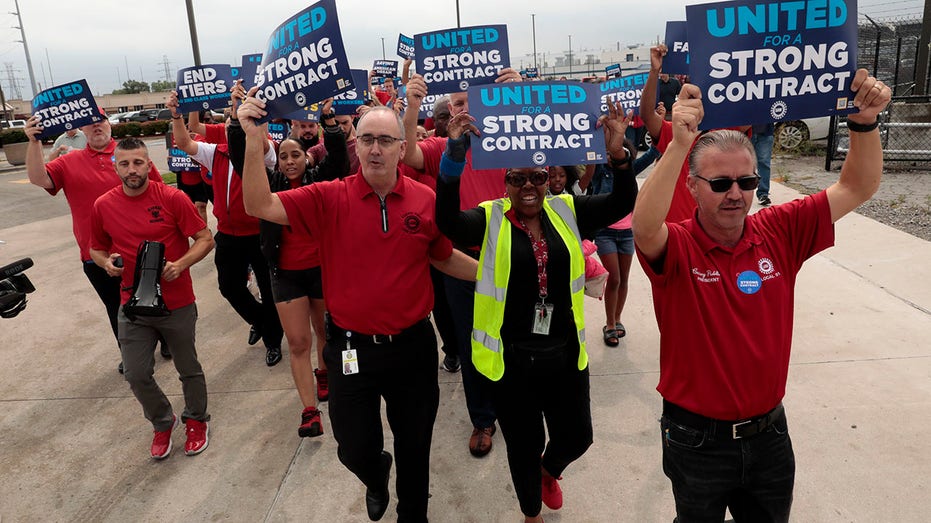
734, 428
377, 339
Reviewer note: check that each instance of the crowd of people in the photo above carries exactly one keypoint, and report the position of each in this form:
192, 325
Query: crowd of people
371, 236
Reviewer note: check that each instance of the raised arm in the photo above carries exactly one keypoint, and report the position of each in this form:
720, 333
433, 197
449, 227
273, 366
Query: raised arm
335, 165
650, 232
182, 138
416, 92
653, 121
35, 162
257, 197
463, 227
862, 170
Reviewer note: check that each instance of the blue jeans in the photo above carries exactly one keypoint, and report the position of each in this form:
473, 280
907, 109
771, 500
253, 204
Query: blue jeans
710, 471
763, 145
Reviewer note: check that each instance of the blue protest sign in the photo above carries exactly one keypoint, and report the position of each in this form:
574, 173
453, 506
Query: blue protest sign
405, 46
676, 60
251, 65
179, 161
235, 72
278, 131
758, 63
349, 101
627, 90
453, 59
525, 124
305, 61
613, 71
532, 72
65, 107
427, 105
203, 87
386, 68
309, 113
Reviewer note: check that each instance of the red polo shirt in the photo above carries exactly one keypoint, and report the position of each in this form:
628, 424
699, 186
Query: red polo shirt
164, 214
725, 314
376, 272
84, 175
475, 186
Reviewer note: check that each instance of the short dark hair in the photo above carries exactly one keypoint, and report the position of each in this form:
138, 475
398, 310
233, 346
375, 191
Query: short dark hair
130, 144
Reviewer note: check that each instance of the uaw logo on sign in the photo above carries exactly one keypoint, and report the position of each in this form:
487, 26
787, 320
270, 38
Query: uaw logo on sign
778, 110
300, 99
539, 158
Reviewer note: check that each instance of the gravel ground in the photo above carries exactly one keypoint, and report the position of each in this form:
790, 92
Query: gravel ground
903, 200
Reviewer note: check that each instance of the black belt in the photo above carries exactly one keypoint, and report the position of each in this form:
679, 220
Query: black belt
335, 332
733, 429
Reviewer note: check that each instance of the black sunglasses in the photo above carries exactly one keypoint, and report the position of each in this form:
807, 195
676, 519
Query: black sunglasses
723, 184
520, 179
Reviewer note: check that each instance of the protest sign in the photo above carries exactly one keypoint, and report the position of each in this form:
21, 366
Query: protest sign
405, 46
309, 113
179, 161
613, 71
305, 61
532, 72
278, 131
65, 107
203, 87
235, 72
349, 101
427, 105
676, 60
251, 65
451, 60
758, 63
627, 90
385, 68
525, 124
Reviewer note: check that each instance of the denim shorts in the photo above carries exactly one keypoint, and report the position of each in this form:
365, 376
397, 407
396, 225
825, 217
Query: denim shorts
615, 241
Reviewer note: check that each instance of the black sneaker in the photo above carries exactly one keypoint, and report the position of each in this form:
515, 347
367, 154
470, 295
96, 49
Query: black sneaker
451, 363
272, 356
765, 201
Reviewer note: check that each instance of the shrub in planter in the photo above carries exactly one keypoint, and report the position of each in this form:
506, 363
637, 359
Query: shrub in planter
13, 136
133, 129
118, 130
155, 127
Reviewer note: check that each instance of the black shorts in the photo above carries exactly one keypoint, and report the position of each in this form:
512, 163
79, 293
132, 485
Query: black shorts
290, 285
196, 192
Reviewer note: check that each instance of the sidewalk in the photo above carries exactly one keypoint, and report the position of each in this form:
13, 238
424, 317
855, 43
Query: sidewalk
75, 445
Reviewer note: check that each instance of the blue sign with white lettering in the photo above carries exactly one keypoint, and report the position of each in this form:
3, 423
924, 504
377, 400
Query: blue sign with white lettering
349, 101
405, 46
251, 65
305, 61
203, 87
627, 90
278, 131
65, 107
386, 68
310, 113
613, 71
427, 105
676, 60
770, 62
527, 124
532, 72
451, 60
179, 161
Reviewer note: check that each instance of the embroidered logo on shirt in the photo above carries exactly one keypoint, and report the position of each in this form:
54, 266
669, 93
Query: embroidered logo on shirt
708, 276
412, 223
766, 266
749, 282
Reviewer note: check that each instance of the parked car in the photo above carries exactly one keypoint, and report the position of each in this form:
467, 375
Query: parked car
115, 118
790, 135
145, 115
12, 124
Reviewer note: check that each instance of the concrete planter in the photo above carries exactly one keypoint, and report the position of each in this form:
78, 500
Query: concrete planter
16, 153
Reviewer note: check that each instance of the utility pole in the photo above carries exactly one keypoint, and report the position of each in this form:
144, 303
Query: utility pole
924, 49
458, 23
49, 64
32, 75
570, 55
383, 48
167, 66
533, 23
193, 28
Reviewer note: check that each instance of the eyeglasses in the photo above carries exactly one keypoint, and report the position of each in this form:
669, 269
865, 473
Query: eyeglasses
520, 179
723, 184
383, 140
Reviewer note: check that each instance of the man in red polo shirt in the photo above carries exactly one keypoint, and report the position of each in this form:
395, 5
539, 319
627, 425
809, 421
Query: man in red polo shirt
378, 238
723, 291
476, 186
122, 219
84, 175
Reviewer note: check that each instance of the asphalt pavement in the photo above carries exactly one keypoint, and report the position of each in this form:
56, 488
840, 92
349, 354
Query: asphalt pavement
74, 445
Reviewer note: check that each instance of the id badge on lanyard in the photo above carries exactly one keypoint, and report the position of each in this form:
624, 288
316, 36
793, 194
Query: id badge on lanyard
542, 317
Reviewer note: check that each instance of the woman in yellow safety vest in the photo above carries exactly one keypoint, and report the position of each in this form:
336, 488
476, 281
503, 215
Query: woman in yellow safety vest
528, 338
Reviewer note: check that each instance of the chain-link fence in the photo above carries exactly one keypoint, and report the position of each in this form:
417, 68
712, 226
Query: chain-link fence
888, 48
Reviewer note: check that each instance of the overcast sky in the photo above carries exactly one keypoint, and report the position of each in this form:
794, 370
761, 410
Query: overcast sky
97, 39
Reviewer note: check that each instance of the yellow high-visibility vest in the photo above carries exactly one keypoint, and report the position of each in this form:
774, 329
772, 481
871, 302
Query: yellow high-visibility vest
494, 269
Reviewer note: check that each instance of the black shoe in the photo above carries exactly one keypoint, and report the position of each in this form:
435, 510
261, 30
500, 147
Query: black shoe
376, 501
164, 350
254, 335
451, 363
272, 356
765, 201
119, 368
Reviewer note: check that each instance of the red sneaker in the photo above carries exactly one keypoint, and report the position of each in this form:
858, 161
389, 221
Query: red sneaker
310, 423
323, 384
198, 436
161, 441
552, 494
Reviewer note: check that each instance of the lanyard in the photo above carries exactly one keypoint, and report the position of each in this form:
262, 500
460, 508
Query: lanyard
540, 253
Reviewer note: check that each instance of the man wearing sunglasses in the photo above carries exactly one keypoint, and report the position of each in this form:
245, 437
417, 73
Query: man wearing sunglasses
723, 285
